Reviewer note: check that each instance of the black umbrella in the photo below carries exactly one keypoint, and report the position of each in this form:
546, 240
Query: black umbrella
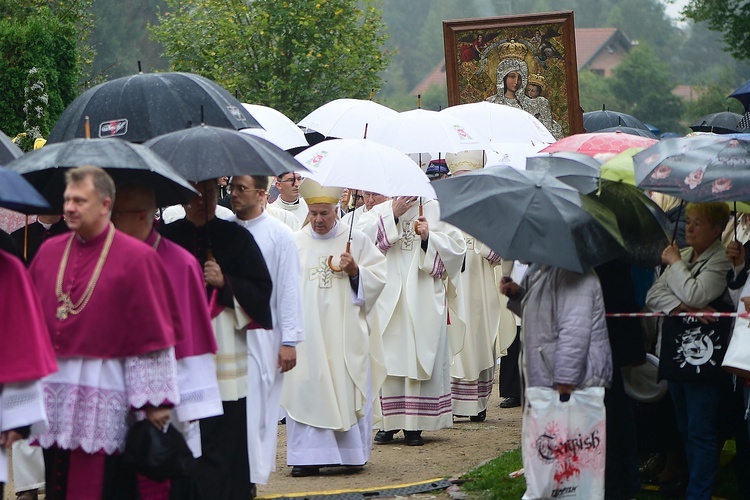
594, 121
16, 193
725, 122
531, 216
577, 170
632, 131
139, 107
644, 227
126, 162
8, 150
205, 152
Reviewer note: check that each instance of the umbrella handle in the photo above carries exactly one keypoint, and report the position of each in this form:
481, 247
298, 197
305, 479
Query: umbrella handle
337, 269
421, 213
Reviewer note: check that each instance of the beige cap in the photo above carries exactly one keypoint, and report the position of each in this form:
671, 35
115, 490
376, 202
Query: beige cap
314, 193
465, 160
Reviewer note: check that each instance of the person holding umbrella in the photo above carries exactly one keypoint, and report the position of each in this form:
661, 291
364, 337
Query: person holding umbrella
102, 294
238, 286
691, 351
412, 313
328, 396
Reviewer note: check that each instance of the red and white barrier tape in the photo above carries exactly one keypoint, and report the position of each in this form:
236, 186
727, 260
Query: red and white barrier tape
682, 314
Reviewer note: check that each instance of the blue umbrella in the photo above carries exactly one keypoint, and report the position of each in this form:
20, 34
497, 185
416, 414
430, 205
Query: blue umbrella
742, 94
17, 194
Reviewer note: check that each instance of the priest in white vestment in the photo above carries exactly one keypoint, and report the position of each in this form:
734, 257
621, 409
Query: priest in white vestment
289, 199
478, 303
328, 395
271, 353
413, 314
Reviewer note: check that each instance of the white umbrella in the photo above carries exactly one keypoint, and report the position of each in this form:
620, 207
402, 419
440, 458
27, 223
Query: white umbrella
277, 128
345, 118
510, 153
420, 131
366, 165
503, 124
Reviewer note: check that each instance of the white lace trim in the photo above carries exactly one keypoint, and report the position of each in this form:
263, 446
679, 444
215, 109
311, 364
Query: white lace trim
152, 379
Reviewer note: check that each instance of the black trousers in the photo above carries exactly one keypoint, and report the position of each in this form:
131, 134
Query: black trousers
223, 471
621, 476
510, 371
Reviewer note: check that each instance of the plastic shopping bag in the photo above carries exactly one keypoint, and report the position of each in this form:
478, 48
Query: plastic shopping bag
563, 444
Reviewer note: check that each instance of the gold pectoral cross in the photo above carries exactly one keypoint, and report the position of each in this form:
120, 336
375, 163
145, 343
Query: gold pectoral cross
64, 308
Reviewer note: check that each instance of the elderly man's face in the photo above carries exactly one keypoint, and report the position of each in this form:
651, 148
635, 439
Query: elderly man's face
322, 217
373, 199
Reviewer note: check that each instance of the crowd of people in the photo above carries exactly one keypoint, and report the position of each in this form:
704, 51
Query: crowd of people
339, 313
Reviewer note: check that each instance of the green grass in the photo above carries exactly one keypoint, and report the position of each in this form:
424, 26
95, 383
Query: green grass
492, 477
491, 480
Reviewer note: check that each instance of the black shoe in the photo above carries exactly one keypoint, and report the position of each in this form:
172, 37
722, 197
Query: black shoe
253, 491
383, 437
481, 417
305, 471
510, 403
413, 438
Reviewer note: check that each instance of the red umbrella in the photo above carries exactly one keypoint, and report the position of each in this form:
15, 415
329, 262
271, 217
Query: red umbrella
596, 143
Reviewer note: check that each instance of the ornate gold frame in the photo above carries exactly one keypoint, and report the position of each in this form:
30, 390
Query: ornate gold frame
471, 59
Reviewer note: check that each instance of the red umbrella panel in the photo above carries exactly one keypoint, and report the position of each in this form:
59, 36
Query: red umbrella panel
602, 143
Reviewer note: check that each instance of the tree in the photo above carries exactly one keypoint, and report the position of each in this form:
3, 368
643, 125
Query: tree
644, 87
729, 17
595, 92
292, 56
41, 41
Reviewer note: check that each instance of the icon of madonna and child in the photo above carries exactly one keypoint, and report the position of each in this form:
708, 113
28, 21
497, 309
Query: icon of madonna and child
516, 85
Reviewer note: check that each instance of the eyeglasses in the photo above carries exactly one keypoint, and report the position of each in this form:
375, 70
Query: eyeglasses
240, 189
293, 180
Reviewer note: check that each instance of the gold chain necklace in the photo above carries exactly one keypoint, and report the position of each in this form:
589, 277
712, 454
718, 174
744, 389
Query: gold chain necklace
66, 304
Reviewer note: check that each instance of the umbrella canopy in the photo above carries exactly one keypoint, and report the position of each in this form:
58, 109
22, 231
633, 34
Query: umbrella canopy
8, 150
632, 131
725, 122
644, 227
531, 216
596, 143
345, 118
205, 152
366, 165
620, 167
126, 162
420, 131
139, 107
502, 124
577, 170
17, 194
700, 168
742, 94
594, 121
277, 129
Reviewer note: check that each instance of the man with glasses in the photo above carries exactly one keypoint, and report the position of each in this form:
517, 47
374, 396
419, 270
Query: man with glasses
271, 352
289, 198
239, 289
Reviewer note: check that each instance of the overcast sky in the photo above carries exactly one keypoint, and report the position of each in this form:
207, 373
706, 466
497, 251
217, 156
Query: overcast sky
673, 8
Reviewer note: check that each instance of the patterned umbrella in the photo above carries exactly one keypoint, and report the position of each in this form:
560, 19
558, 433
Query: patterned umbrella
699, 168
600, 143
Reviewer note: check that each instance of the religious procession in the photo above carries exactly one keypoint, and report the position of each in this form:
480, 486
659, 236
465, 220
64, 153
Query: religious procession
176, 292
